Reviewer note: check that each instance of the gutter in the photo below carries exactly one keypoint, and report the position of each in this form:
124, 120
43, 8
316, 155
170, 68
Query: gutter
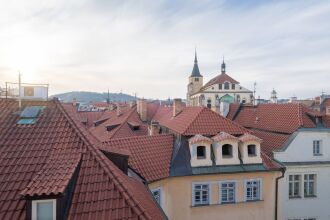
276, 192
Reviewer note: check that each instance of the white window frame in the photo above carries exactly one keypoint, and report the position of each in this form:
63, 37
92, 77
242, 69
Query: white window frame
260, 189
220, 191
34, 207
315, 185
159, 189
300, 185
193, 193
319, 148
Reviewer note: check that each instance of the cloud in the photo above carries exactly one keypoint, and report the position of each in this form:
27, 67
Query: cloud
147, 46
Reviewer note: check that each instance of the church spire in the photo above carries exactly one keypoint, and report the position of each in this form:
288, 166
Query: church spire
223, 65
195, 72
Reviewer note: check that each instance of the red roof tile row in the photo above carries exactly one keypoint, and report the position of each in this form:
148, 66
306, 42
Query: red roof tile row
197, 120
220, 79
150, 156
40, 159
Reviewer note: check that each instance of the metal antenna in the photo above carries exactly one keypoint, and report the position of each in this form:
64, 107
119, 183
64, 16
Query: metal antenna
19, 91
254, 92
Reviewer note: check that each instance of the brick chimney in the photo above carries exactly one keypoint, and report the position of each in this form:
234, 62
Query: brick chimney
177, 106
119, 112
142, 109
153, 128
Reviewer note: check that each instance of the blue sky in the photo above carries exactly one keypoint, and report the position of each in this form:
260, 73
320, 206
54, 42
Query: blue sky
147, 47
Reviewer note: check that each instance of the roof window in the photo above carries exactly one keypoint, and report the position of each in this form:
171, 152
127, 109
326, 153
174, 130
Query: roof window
30, 115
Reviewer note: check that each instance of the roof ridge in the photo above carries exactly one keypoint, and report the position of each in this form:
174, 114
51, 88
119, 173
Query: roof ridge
136, 137
125, 121
98, 155
232, 122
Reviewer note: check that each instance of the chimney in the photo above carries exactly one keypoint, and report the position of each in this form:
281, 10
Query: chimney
142, 109
177, 106
119, 110
132, 104
74, 102
153, 128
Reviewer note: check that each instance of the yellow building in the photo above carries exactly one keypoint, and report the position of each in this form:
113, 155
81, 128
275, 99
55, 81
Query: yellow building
217, 169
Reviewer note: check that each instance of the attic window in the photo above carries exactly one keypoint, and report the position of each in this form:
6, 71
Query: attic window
201, 152
252, 150
134, 126
111, 127
44, 209
227, 150
29, 115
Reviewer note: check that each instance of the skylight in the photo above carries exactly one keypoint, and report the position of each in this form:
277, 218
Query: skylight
29, 115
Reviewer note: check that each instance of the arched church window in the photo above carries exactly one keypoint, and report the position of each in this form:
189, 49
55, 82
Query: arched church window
226, 85
220, 86
233, 86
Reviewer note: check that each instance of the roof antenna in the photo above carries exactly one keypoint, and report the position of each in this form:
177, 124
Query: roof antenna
254, 92
19, 91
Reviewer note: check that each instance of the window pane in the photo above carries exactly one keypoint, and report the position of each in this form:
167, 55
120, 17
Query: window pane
45, 211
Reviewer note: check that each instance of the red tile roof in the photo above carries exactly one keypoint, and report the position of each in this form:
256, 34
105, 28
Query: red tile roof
282, 118
220, 79
32, 157
249, 137
197, 120
121, 125
233, 109
85, 117
224, 136
199, 138
271, 141
150, 155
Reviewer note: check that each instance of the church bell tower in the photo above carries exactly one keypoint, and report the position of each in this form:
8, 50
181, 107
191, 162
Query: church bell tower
195, 82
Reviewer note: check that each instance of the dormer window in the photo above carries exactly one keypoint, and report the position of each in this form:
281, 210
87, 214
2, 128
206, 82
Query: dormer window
226, 85
233, 86
201, 152
252, 150
44, 209
227, 150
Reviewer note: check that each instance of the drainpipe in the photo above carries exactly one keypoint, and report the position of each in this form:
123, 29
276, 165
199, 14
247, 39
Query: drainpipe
276, 192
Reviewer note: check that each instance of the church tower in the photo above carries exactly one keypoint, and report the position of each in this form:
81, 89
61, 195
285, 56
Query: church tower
273, 96
195, 81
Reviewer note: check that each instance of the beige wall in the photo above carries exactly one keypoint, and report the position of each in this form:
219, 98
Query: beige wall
177, 197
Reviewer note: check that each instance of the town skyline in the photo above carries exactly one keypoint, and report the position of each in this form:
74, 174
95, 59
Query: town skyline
147, 48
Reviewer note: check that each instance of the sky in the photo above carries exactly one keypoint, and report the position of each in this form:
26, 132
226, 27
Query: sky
147, 47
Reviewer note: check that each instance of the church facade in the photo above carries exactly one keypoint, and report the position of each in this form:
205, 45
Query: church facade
220, 89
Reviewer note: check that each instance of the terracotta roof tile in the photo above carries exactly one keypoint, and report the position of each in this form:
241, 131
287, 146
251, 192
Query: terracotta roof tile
249, 137
224, 136
199, 138
282, 118
150, 155
197, 120
220, 79
39, 159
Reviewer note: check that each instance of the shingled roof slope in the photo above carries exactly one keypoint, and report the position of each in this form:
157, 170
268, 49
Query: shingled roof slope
150, 156
121, 125
220, 79
197, 120
281, 118
29, 152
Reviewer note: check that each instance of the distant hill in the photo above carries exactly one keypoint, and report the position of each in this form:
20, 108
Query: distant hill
93, 96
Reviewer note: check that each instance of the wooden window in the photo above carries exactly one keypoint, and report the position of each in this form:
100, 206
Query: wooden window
201, 194
44, 209
294, 186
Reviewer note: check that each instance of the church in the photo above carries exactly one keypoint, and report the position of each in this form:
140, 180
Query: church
220, 89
